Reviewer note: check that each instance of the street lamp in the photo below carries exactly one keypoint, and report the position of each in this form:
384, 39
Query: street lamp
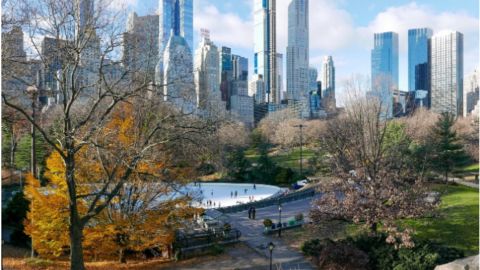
33, 92
301, 126
280, 219
270, 247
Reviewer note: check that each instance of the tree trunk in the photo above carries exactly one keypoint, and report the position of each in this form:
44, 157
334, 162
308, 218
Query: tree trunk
121, 256
76, 248
13, 148
446, 177
76, 226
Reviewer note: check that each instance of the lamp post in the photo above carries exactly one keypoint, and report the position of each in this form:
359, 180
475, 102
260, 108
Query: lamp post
280, 219
301, 126
33, 92
270, 247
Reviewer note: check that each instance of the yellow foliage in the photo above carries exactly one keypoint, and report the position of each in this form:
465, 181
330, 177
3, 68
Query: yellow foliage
48, 219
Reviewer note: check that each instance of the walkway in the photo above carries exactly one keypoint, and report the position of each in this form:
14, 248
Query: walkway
462, 182
252, 233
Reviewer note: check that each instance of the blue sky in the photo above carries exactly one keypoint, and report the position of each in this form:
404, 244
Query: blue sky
341, 28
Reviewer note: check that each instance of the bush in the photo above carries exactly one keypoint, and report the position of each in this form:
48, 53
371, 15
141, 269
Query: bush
216, 249
424, 256
267, 222
227, 227
299, 217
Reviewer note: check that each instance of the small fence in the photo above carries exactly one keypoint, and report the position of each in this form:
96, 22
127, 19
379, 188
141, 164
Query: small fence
194, 244
295, 196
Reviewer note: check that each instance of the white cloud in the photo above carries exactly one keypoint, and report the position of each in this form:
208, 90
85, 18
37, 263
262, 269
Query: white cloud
226, 28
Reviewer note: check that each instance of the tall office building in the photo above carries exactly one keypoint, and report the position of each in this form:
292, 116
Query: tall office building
140, 49
239, 67
206, 74
471, 90
265, 46
384, 64
257, 89
446, 60
174, 14
279, 76
328, 81
417, 55
298, 50
178, 80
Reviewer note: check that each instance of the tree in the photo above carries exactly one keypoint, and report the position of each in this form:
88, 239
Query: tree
448, 152
91, 84
141, 215
375, 184
467, 130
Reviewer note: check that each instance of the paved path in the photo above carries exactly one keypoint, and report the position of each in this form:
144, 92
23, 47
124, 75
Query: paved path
252, 233
462, 182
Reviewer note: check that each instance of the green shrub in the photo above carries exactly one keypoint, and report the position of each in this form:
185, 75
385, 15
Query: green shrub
299, 217
267, 222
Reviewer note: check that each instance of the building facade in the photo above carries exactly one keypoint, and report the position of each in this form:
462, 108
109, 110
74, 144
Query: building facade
417, 55
471, 92
207, 84
140, 49
174, 15
298, 50
384, 69
257, 89
446, 60
328, 84
265, 46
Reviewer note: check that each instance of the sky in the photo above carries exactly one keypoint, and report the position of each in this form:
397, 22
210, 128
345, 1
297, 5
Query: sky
341, 28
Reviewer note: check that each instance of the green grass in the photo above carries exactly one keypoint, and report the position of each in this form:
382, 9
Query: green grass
457, 222
472, 168
290, 159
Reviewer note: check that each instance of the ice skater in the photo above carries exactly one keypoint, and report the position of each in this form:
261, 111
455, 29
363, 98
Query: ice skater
253, 213
254, 186
250, 212
231, 194
236, 194
245, 190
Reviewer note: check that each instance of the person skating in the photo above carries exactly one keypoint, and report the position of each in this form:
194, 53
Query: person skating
253, 213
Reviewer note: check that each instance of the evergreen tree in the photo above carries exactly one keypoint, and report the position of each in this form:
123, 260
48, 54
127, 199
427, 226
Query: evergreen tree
448, 152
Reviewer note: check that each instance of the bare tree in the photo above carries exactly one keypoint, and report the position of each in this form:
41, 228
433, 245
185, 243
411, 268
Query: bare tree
77, 55
376, 183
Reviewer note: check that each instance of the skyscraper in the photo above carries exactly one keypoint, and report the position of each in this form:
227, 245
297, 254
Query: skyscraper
265, 47
417, 54
471, 89
178, 79
257, 89
298, 50
206, 74
140, 49
174, 14
328, 81
279, 76
446, 58
384, 63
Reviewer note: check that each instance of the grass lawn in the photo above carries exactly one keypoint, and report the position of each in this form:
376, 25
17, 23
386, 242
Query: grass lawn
289, 159
472, 168
457, 222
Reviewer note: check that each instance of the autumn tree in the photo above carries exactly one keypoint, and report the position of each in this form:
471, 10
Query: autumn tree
143, 214
79, 52
375, 181
467, 130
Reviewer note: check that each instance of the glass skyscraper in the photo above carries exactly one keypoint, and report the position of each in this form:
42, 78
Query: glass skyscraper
384, 61
265, 46
417, 55
446, 60
298, 50
174, 16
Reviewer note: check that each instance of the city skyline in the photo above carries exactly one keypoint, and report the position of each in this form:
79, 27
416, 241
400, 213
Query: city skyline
349, 36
